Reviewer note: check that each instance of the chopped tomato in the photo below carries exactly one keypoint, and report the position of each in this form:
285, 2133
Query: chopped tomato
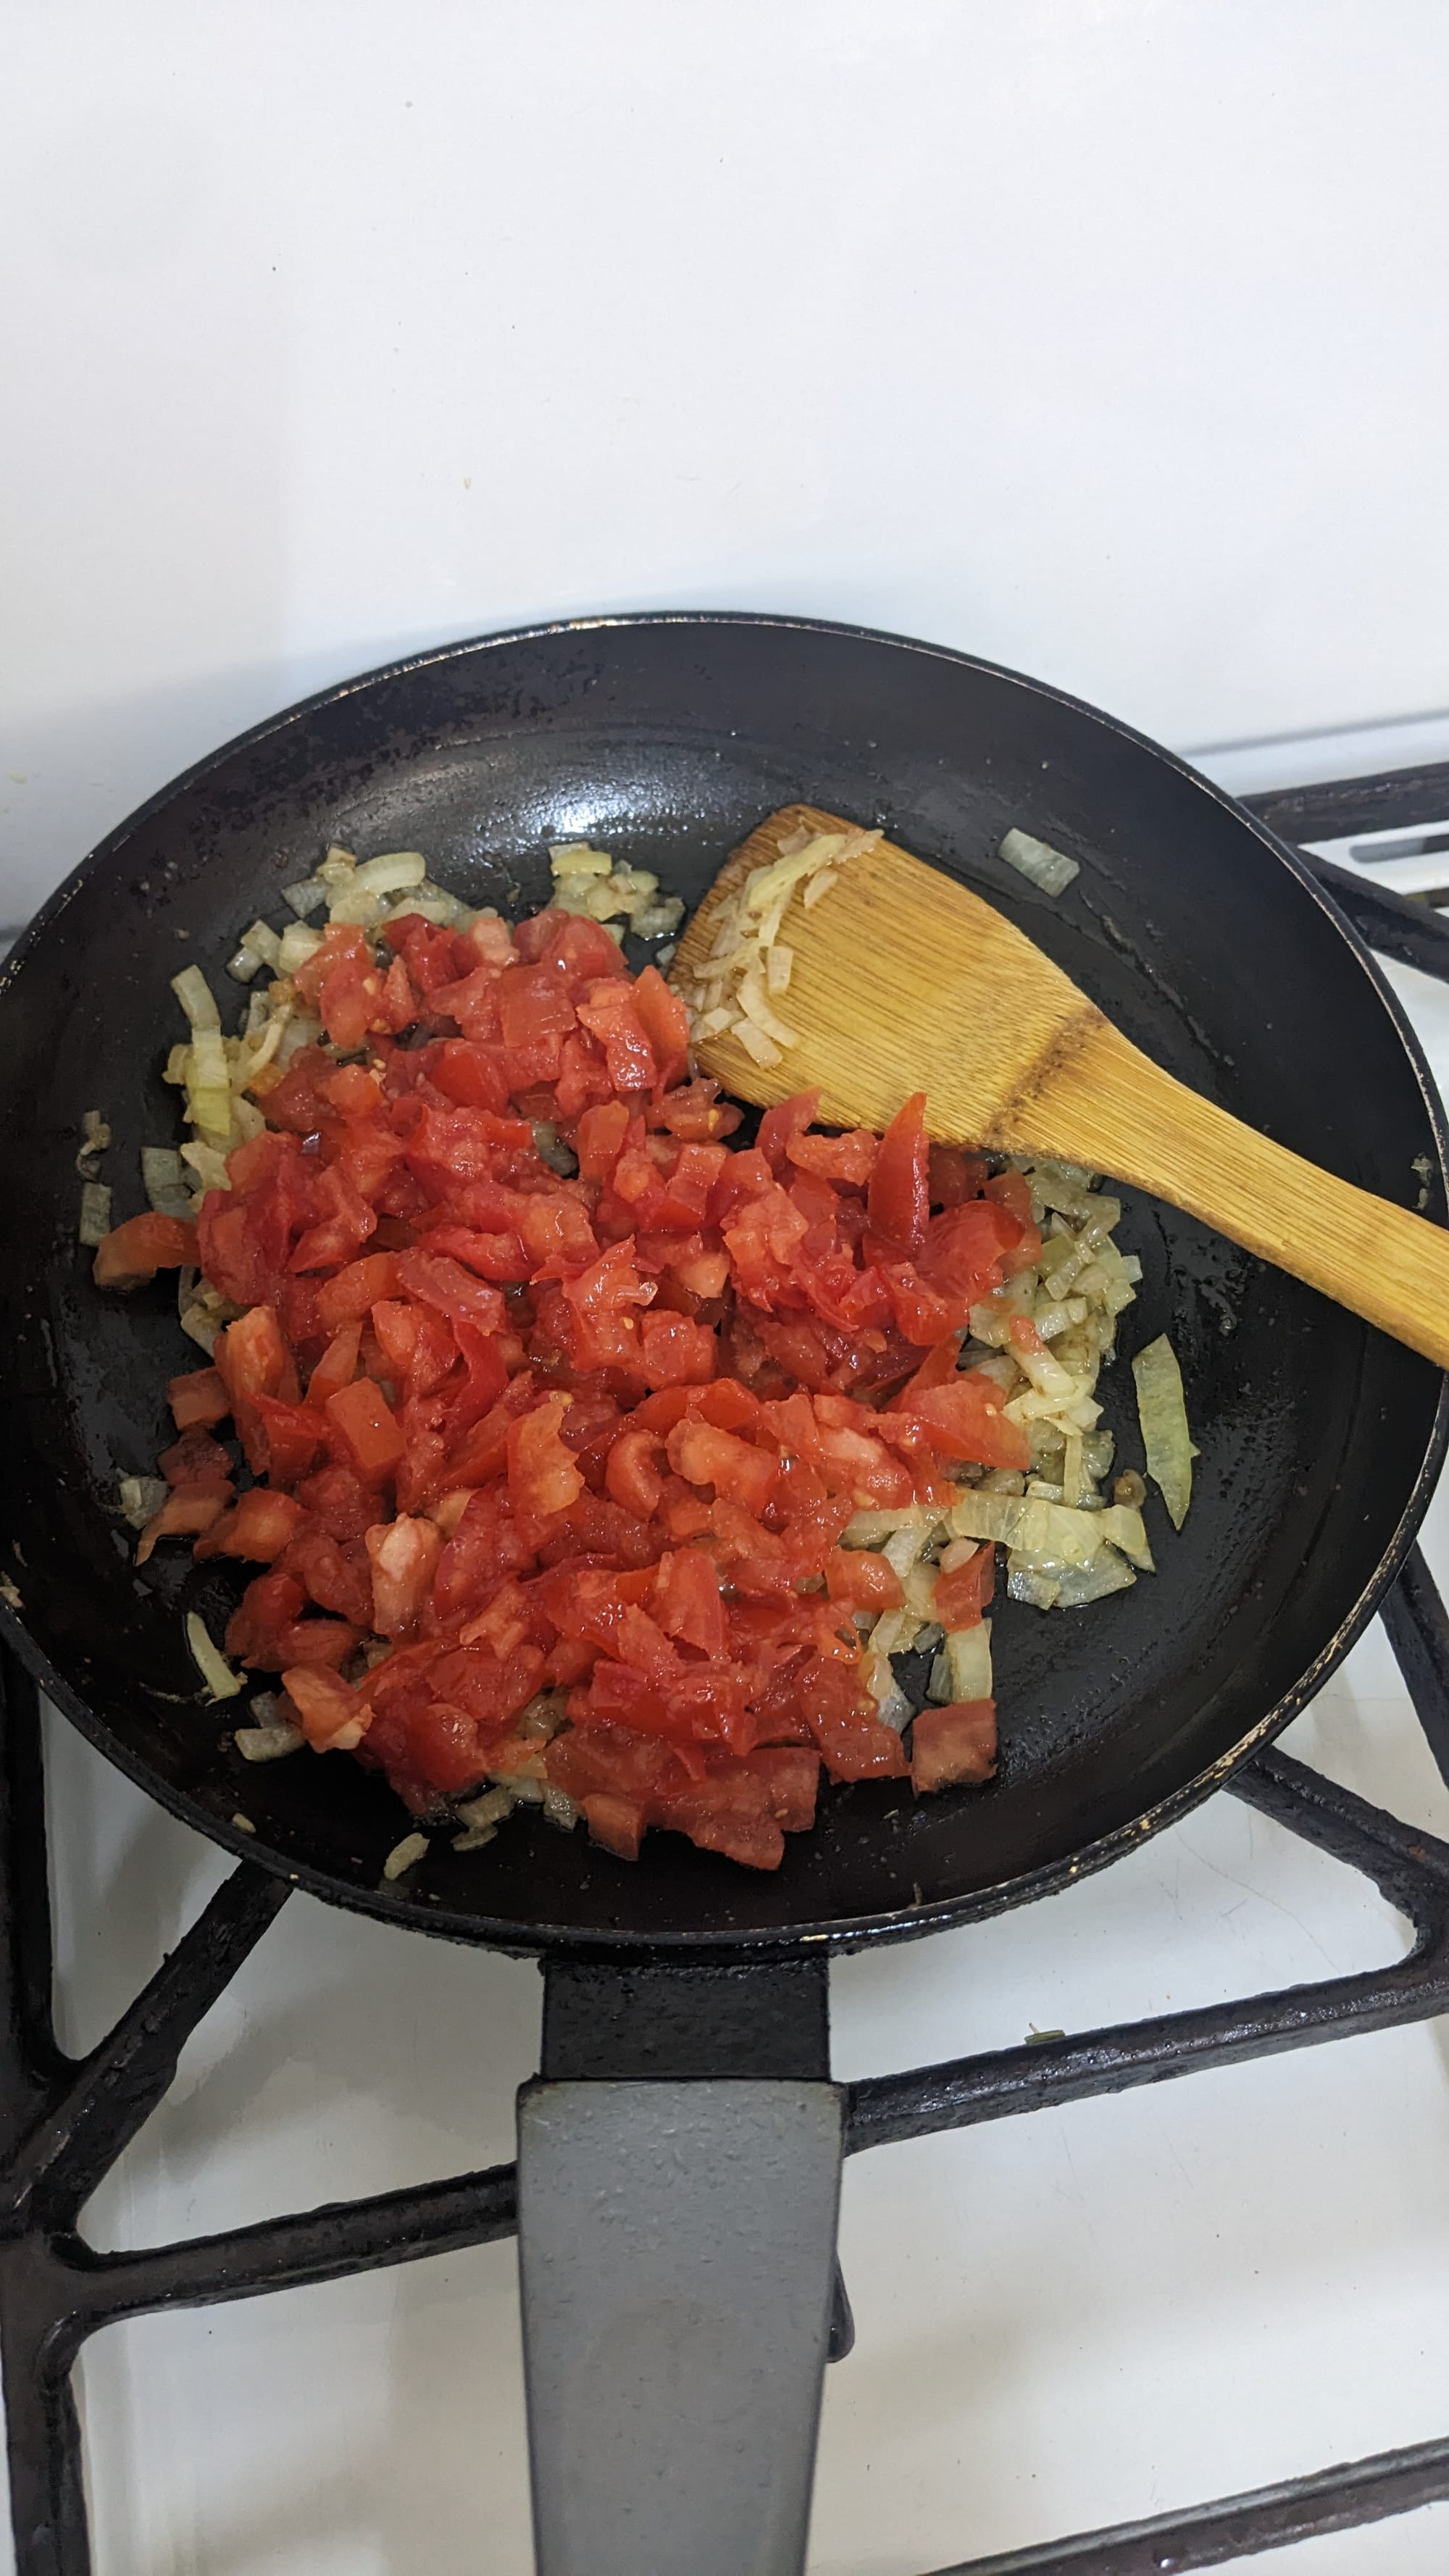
334, 1717
261, 1525
618, 1823
195, 1459
546, 1383
188, 1512
858, 1579
964, 1595
370, 1433
961, 1420
351, 1291
954, 1744
542, 1474
899, 1200
133, 1253
198, 1399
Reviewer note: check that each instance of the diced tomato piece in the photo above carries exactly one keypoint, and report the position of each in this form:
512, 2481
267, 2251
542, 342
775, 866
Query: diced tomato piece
333, 1576
195, 1459
616, 1823
267, 1607
188, 1512
542, 1473
252, 1356
674, 1351
351, 998
963, 1596
849, 1158
320, 1642
631, 1472
395, 1323
338, 1365
133, 1253
333, 1717
780, 1125
922, 1313
686, 1600
858, 1579
962, 1420
469, 1074
447, 1286
198, 1399
705, 1455
289, 1437
368, 1429
1011, 1190
730, 1816
261, 1525
859, 1748
899, 1198
609, 1012
345, 1221
348, 1296
790, 1777
665, 1023
953, 1176
957, 1743
600, 1139
342, 1503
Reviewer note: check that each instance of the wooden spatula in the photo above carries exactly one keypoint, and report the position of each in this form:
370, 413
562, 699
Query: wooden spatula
903, 981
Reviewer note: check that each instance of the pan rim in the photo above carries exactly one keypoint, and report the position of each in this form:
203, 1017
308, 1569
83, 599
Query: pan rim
837, 1933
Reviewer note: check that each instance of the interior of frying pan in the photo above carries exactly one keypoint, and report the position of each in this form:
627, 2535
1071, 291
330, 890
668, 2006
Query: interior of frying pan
666, 739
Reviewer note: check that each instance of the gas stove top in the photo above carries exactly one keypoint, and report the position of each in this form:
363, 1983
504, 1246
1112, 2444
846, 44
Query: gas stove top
1093, 2319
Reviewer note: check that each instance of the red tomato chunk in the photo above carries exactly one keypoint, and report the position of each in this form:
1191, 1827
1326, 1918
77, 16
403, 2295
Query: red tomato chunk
601, 1435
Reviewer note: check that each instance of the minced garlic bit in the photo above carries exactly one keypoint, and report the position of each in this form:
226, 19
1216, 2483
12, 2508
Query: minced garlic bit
748, 962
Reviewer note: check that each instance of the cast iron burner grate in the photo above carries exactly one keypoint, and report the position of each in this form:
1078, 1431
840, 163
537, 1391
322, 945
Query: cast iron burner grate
65, 2121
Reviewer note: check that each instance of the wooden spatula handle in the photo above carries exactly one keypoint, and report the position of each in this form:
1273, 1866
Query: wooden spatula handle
1107, 1104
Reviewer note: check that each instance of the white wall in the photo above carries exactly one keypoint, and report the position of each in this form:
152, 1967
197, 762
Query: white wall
1105, 337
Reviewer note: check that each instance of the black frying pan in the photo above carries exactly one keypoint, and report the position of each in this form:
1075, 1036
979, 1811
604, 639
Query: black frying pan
667, 738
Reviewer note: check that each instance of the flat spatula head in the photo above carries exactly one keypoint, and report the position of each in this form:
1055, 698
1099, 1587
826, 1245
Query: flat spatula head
901, 981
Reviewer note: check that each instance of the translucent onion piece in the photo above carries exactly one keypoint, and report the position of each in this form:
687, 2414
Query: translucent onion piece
141, 1498
197, 999
215, 1671
388, 874
305, 898
95, 1214
1080, 1585
968, 1660
161, 1178
1047, 1530
1050, 869
267, 1743
1162, 1412
299, 942
1121, 1526
97, 1136
1023, 1583
405, 1855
